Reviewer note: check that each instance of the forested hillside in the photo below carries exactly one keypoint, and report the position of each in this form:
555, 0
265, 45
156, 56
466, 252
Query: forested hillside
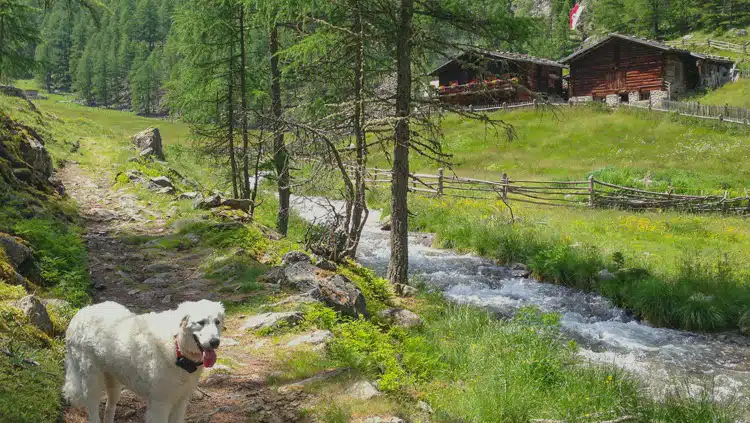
112, 58
124, 54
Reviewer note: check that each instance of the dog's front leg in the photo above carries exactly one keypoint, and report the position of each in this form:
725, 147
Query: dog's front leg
178, 410
158, 412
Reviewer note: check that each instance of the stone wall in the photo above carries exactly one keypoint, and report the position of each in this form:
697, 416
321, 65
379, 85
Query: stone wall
634, 97
613, 100
581, 99
657, 96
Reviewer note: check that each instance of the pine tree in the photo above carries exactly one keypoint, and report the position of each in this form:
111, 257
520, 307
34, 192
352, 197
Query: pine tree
18, 29
84, 78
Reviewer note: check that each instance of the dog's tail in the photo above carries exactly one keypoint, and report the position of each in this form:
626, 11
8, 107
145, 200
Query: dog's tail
73, 389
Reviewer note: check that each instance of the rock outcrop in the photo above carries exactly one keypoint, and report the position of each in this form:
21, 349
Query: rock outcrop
342, 295
270, 320
17, 250
37, 314
149, 139
400, 317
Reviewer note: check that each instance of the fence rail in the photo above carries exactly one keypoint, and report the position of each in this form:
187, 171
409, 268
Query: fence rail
718, 44
590, 193
724, 113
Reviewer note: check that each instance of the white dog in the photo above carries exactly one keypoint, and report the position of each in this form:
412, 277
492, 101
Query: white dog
159, 356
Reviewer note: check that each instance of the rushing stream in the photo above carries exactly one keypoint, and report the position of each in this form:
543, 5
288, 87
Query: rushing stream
666, 359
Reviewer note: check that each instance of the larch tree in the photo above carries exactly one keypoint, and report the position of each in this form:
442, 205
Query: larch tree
18, 29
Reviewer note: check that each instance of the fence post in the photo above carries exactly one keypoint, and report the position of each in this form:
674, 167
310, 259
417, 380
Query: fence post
708, 43
744, 47
534, 102
505, 106
591, 191
440, 182
505, 186
721, 118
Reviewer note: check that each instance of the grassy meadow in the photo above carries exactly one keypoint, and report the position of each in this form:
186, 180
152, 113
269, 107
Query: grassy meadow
632, 148
697, 277
736, 94
466, 364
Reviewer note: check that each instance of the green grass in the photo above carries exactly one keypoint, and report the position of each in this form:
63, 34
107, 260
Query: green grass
618, 146
721, 34
697, 276
736, 94
470, 366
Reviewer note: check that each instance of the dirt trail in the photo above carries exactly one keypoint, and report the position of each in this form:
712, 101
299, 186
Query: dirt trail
144, 277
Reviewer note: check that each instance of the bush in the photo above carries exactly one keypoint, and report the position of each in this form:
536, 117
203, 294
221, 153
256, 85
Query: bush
61, 257
566, 265
362, 345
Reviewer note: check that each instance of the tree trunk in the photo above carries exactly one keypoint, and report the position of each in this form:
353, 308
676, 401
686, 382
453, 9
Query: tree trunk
230, 115
243, 93
254, 195
360, 206
280, 155
399, 263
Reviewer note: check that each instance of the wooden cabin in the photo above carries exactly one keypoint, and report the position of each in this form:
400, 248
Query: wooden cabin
635, 67
489, 77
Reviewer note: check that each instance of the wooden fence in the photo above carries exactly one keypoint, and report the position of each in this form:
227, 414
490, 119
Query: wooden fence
516, 105
709, 43
590, 193
724, 113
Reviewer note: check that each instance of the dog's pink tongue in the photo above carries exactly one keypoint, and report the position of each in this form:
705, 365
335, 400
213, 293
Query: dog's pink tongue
209, 358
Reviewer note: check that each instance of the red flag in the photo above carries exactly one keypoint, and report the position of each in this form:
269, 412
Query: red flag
575, 15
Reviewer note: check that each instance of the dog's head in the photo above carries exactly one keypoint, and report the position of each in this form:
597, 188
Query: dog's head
201, 325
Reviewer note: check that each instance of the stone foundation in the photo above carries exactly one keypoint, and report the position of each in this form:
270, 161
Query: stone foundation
613, 100
581, 99
634, 97
658, 96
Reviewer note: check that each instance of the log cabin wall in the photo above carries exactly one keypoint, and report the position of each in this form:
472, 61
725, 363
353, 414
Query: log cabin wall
617, 66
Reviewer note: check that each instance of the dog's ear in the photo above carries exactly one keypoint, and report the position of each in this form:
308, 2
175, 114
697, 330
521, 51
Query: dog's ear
184, 321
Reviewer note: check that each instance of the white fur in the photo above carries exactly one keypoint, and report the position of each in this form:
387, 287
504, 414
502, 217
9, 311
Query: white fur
109, 347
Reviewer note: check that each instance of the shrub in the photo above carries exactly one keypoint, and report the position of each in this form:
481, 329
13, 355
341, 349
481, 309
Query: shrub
362, 345
567, 265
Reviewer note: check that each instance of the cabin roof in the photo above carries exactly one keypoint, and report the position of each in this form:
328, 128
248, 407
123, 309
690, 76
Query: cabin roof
651, 43
503, 55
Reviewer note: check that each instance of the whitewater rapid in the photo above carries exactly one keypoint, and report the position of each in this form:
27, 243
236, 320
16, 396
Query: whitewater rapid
666, 360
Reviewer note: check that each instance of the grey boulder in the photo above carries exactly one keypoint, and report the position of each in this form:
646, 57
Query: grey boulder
401, 317
363, 390
294, 257
342, 295
318, 337
269, 320
15, 248
36, 313
149, 138
236, 203
205, 203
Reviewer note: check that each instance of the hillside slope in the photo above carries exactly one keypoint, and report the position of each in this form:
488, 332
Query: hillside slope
736, 94
632, 148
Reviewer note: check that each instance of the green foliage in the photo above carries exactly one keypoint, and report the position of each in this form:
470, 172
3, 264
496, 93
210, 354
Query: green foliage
653, 151
318, 315
736, 94
377, 291
362, 345
18, 30
690, 291
11, 292
567, 265
61, 256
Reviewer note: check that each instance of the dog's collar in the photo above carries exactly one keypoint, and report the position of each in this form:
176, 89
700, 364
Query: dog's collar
183, 362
